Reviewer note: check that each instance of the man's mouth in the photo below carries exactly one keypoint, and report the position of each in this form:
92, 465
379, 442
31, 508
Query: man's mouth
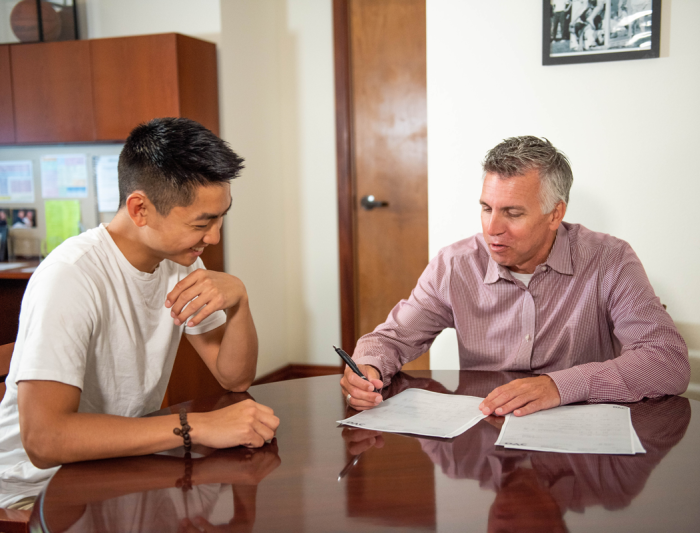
197, 249
497, 247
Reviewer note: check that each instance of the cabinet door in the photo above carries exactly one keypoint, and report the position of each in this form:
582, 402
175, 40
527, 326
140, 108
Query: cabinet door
52, 91
134, 80
199, 93
7, 114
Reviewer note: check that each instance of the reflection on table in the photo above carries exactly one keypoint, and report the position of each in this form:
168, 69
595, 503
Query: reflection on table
388, 481
535, 489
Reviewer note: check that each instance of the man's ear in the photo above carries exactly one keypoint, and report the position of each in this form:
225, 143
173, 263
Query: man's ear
138, 207
557, 215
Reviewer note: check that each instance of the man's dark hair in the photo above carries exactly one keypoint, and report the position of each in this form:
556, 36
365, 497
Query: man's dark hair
517, 155
168, 158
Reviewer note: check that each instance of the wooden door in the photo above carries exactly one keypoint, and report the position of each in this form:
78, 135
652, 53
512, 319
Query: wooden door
52, 91
382, 152
7, 113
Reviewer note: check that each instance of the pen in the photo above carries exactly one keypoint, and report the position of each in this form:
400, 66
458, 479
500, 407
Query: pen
348, 361
348, 466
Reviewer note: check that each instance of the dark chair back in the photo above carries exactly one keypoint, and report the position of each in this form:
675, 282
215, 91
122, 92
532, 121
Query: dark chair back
5, 356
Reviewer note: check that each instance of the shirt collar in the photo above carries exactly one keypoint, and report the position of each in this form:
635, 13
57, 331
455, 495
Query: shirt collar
559, 259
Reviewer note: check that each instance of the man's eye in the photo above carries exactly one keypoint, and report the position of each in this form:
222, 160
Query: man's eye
201, 227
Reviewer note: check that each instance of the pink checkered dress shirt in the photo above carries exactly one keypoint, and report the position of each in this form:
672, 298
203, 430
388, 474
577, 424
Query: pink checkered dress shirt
589, 319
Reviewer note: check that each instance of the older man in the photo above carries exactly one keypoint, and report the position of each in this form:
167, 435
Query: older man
533, 293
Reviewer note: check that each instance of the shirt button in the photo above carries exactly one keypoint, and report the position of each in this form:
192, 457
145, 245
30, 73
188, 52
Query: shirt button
527, 337
544, 269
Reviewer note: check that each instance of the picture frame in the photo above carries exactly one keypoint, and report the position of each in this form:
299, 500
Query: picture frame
590, 31
23, 218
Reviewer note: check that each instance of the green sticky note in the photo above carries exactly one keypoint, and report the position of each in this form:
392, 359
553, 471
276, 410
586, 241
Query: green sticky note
62, 221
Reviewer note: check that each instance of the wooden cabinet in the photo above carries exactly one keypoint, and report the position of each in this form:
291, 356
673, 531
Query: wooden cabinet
138, 78
52, 91
7, 113
100, 89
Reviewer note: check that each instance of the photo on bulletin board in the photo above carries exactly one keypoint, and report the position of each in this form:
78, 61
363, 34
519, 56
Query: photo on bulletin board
23, 218
5, 217
588, 31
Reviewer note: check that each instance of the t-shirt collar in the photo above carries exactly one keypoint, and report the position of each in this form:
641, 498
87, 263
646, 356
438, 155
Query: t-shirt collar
124, 263
559, 259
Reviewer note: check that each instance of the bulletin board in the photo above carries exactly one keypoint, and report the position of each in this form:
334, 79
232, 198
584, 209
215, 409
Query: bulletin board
90, 215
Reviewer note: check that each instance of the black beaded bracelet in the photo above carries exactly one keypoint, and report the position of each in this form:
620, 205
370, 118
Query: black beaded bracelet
184, 432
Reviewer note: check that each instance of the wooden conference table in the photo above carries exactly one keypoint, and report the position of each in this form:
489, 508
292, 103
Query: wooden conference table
399, 483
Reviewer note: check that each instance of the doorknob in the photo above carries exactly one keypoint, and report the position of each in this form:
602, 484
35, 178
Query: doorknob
368, 202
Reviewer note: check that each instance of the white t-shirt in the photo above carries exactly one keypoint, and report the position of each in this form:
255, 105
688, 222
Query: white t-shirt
525, 278
90, 319
158, 510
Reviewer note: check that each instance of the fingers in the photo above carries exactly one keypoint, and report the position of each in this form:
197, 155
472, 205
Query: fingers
361, 440
180, 286
211, 290
362, 395
263, 430
496, 401
522, 397
495, 421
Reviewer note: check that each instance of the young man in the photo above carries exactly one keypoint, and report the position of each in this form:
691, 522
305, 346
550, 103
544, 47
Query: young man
533, 293
103, 315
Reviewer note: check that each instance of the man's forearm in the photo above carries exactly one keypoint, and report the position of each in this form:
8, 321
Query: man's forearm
630, 377
238, 354
74, 437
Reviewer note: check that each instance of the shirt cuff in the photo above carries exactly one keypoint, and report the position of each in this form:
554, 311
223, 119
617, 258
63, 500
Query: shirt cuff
572, 385
376, 362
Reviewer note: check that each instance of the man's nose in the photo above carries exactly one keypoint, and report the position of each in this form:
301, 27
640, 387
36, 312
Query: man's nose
496, 224
214, 234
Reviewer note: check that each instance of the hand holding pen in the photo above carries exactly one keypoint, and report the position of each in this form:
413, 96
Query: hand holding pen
359, 384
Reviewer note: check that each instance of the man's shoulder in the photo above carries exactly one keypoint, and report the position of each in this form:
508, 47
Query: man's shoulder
81, 260
584, 240
472, 249
466, 257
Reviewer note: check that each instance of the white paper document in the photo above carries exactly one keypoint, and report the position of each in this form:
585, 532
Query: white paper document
64, 176
421, 412
106, 177
16, 181
601, 429
11, 266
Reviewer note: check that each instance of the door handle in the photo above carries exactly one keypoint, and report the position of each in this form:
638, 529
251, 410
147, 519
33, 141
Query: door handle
368, 202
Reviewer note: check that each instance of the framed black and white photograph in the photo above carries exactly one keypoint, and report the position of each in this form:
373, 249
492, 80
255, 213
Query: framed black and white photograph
587, 31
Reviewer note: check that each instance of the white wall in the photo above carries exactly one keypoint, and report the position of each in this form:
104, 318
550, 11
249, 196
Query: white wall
119, 18
277, 111
276, 71
630, 129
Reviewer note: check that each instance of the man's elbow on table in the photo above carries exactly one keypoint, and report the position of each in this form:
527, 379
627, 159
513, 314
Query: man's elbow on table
40, 446
239, 385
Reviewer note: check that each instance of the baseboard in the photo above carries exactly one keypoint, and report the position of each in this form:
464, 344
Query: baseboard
297, 371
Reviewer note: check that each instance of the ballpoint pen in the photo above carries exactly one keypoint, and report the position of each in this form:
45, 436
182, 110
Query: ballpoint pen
348, 361
348, 466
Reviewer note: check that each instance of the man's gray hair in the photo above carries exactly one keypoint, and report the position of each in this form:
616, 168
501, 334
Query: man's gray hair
518, 155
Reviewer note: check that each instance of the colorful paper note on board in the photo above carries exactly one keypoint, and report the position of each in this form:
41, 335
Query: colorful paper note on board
62, 221
64, 176
16, 181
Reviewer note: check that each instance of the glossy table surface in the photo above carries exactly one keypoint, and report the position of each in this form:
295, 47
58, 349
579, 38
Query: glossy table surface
396, 482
